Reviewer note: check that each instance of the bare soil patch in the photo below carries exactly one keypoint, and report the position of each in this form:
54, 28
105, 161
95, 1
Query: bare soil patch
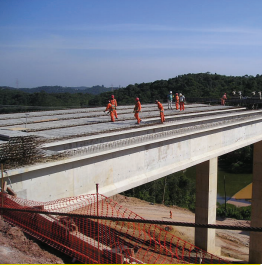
234, 243
17, 247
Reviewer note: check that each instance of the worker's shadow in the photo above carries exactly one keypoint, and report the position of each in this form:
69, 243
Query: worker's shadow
120, 122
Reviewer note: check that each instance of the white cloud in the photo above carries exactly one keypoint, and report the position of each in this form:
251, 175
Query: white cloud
133, 42
136, 27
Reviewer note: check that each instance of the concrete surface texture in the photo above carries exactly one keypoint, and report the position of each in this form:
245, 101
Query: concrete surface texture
123, 155
60, 124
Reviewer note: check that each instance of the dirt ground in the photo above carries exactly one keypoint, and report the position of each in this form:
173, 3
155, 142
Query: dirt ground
234, 244
16, 247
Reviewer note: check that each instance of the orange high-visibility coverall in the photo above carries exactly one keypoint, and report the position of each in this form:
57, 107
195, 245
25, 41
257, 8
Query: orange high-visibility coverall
223, 99
177, 102
111, 109
114, 102
137, 109
161, 108
182, 102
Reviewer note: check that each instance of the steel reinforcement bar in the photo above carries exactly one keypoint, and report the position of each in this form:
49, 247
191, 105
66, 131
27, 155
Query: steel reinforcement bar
163, 135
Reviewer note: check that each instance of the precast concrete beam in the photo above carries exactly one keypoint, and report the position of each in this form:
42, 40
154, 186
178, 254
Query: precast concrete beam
181, 121
121, 165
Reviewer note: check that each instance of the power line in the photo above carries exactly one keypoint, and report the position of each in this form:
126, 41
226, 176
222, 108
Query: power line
167, 223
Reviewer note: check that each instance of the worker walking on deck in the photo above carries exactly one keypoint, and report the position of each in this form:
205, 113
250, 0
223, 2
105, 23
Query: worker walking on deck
177, 101
111, 108
182, 102
137, 109
223, 99
161, 108
114, 102
170, 100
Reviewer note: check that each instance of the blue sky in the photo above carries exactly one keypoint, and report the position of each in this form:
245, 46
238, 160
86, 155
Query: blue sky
122, 42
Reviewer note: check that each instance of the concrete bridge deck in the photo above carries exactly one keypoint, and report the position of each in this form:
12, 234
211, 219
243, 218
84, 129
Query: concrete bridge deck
64, 124
187, 138
122, 155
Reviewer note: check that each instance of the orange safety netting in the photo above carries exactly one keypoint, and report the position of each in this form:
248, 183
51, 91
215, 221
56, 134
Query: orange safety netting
68, 226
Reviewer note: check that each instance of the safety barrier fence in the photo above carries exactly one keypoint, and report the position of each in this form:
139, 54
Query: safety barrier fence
72, 226
232, 101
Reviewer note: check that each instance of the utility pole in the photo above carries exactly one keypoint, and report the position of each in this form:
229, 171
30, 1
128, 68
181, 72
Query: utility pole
26, 115
225, 194
163, 201
97, 213
2, 187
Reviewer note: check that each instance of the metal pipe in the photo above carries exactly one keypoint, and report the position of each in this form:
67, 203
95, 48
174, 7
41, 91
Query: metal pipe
2, 187
97, 208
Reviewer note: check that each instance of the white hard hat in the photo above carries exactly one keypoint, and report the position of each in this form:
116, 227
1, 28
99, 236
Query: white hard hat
170, 92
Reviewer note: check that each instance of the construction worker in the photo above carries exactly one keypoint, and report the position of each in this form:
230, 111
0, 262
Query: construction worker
182, 101
114, 102
177, 101
161, 108
111, 108
223, 99
170, 100
137, 109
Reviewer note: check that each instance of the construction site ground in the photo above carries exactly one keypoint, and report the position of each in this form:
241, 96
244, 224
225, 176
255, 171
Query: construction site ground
16, 247
234, 244
19, 248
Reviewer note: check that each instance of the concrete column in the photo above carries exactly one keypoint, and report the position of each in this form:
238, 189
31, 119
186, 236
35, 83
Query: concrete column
255, 245
206, 199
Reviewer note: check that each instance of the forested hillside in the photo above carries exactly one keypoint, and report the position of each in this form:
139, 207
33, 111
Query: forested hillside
191, 85
40, 99
95, 90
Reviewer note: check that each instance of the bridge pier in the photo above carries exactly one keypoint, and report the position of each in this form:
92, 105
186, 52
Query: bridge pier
206, 199
255, 245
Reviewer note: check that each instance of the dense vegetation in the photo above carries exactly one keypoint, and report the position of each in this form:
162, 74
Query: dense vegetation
191, 85
239, 161
178, 189
172, 190
232, 211
95, 90
15, 101
45, 98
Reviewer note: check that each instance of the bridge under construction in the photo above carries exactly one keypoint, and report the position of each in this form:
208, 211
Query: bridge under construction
63, 124
80, 148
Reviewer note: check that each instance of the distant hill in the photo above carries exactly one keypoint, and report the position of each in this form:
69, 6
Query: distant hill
94, 90
194, 86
